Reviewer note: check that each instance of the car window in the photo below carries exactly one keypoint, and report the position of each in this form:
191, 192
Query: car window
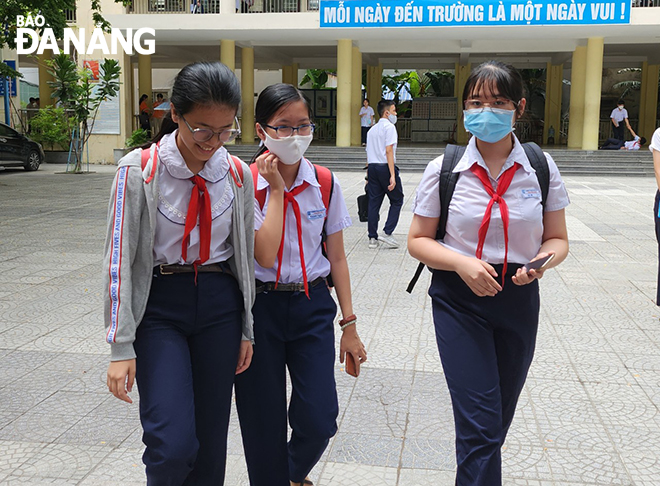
6, 131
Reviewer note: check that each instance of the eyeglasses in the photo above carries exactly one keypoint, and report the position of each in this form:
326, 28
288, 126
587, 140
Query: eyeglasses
285, 132
500, 103
206, 134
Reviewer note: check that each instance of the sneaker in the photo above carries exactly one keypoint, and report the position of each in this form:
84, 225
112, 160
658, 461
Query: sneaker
389, 241
373, 243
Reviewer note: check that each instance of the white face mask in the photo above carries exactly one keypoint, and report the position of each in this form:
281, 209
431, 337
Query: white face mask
620, 107
392, 119
288, 150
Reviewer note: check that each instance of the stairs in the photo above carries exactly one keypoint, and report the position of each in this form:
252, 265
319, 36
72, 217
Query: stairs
414, 159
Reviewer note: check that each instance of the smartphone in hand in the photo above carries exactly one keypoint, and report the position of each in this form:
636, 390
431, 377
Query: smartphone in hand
539, 264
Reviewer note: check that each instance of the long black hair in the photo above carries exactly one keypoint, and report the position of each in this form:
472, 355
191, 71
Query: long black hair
271, 100
497, 76
200, 84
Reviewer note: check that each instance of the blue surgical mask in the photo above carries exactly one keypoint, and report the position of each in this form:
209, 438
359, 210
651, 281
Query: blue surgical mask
489, 124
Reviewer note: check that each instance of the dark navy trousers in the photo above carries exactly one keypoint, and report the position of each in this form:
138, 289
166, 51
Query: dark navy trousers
290, 331
486, 346
378, 178
656, 218
187, 349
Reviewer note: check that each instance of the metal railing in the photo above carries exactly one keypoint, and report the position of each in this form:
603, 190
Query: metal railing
646, 3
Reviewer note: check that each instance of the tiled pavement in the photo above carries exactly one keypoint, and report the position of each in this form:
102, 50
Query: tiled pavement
588, 415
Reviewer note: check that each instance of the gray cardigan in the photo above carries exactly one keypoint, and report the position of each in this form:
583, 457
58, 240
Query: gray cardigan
128, 262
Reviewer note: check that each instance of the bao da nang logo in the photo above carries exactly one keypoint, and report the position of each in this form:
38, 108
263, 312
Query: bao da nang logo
28, 40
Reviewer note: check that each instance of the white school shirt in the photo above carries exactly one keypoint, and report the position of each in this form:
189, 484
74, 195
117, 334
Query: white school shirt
634, 144
365, 116
655, 141
381, 135
312, 213
619, 115
469, 201
174, 190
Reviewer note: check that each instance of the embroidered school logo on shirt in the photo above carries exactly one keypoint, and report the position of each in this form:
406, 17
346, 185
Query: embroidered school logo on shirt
316, 214
531, 194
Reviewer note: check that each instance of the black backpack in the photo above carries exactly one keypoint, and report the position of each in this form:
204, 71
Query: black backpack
448, 179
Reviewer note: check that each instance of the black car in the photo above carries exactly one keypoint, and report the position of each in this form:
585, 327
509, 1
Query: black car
18, 150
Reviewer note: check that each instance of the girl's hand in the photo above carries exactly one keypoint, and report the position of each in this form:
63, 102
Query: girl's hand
244, 357
121, 376
523, 277
267, 165
479, 276
351, 343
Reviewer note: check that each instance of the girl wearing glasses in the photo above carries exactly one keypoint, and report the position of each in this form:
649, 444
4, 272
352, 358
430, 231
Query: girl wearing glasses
485, 302
179, 269
294, 310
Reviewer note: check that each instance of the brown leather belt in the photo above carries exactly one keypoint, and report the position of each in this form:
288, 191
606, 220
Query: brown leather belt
288, 287
174, 269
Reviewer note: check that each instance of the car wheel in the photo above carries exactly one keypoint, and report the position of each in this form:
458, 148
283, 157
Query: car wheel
33, 161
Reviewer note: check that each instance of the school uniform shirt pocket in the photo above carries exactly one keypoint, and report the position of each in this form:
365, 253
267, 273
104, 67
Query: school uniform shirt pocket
529, 204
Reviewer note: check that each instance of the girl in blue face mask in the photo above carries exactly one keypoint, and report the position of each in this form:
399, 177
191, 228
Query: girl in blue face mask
485, 301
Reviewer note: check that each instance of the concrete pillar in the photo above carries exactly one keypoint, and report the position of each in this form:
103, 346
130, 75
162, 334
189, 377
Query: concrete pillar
294, 74
127, 85
462, 73
228, 53
227, 6
144, 77
247, 90
356, 97
553, 88
648, 107
576, 108
286, 74
592, 93
45, 91
375, 86
344, 76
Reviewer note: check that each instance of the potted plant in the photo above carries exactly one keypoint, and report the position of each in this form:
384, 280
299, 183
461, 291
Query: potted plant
138, 137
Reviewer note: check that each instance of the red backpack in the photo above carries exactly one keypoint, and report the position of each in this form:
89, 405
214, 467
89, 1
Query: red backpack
326, 180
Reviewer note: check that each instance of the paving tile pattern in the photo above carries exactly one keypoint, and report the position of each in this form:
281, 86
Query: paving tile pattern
588, 415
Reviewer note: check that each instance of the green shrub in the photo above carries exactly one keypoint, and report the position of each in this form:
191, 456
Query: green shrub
137, 138
51, 127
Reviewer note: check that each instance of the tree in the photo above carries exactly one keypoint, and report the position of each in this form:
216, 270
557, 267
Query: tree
81, 96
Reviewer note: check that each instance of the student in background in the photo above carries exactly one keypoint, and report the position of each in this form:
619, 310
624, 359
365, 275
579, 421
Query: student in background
366, 119
655, 150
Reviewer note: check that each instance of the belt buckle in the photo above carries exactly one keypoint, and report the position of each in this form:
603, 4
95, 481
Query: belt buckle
163, 271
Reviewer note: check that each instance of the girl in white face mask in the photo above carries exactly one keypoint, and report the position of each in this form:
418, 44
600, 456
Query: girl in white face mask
297, 205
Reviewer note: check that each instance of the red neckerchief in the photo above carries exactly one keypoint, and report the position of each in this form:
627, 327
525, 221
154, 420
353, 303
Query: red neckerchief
289, 197
199, 206
495, 197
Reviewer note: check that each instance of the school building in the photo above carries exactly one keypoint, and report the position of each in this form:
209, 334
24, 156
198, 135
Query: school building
579, 45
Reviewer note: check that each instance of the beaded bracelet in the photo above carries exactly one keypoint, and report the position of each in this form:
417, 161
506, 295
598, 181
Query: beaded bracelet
347, 321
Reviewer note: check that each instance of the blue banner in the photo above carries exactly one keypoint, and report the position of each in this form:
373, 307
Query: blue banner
12, 81
436, 13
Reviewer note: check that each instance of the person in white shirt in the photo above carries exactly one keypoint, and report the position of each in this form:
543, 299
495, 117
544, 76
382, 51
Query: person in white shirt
616, 144
655, 149
618, 115
294, 310
383, 175
485, 302
366, 119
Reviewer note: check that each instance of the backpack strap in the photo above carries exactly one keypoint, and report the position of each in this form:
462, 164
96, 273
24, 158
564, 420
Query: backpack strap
540, 164
326, 179
236, 170
259, 194
146, 155
448, 179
